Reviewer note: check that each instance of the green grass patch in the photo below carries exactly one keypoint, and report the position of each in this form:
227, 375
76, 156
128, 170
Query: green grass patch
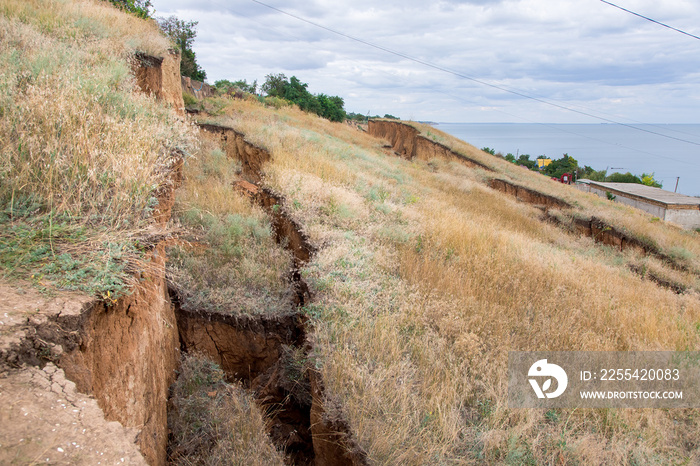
55, 251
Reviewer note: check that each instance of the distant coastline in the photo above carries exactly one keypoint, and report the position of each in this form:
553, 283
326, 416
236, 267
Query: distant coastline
599, 145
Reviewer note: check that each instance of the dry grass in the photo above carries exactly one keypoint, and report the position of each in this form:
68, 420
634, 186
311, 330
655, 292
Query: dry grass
76, 140
425, 279
680, 244
214, 423
227, 259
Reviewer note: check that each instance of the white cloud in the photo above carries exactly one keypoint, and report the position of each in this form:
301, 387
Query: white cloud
579, 53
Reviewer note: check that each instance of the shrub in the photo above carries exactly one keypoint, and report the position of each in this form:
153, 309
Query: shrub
213, 422
189, 99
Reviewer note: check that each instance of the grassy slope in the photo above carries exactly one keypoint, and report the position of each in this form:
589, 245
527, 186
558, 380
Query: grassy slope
425, 279
81, 153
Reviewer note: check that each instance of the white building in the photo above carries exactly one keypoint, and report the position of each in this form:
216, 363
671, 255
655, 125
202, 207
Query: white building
672, 207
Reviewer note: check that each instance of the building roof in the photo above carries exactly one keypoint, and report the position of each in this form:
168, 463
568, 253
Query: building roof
646, 192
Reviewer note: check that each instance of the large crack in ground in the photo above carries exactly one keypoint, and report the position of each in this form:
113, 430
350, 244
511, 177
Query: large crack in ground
269, 354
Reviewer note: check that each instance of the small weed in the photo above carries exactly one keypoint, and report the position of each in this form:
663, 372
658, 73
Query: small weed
189, 99
55, 248
552, 416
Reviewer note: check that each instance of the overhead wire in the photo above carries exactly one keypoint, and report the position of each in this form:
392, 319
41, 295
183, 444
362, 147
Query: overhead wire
462, 99
652, 20
470, 78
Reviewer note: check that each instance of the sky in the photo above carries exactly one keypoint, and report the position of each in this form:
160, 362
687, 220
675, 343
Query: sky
585, 55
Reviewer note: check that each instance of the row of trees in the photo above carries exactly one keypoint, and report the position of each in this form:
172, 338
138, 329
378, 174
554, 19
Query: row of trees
293, 90
568, 164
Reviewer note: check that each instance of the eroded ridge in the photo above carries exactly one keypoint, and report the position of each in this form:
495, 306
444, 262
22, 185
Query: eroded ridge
527, 195
270, 354
407, 142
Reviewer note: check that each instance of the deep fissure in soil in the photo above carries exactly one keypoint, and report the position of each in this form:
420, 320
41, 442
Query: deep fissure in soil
269, 354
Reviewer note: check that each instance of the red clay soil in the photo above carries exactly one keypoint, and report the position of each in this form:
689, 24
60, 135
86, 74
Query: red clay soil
127, 357
527, 195
252, 157
407, 142
160, 76
243, 346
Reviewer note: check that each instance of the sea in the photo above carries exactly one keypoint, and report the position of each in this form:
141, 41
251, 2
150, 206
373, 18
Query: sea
670, 151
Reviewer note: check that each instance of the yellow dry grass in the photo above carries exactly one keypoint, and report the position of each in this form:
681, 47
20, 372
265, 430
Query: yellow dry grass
425, 278
226, 259
77, 142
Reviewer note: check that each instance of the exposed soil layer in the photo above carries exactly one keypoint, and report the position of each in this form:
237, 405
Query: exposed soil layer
160, 77
604, 233
123, 353
126, 356
407, 142
527, 195
252, 157
243, 346
269, 354
197, 88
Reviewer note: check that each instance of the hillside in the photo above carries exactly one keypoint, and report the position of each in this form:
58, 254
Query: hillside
254, 284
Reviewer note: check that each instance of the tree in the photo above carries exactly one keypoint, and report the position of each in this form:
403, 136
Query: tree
182, 33
139, 8
590, 173
524, 160
623, 178
275, 85
293, 90
225, 85
650, 181
557, 168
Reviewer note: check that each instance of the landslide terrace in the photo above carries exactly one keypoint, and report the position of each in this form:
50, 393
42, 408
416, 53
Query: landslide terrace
339, 296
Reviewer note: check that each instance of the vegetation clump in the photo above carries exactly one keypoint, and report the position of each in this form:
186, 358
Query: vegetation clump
213, 422
81, 153
227, 260
329, 107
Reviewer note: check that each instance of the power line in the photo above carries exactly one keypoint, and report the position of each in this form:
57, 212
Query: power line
463, 76
652, 20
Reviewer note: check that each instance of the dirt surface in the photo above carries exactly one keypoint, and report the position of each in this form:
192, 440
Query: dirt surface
527, 195
160, 77
407, 142
45, 420
127, 358
43, 415
31, 324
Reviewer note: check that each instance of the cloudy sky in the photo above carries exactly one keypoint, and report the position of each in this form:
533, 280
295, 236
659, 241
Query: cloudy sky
580, 54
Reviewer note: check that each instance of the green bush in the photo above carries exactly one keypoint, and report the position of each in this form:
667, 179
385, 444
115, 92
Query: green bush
189, 99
